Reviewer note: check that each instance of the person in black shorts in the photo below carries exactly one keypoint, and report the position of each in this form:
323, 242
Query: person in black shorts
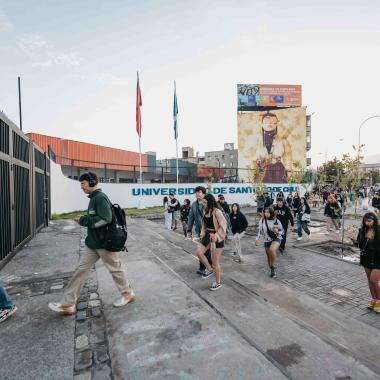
213, 234
368, 240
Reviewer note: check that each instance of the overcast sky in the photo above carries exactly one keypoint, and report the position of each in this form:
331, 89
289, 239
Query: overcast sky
78, 62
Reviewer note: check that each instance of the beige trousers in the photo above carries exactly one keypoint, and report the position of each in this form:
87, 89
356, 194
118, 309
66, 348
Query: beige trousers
90, 256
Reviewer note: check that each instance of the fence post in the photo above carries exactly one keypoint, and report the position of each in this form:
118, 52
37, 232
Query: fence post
46, 198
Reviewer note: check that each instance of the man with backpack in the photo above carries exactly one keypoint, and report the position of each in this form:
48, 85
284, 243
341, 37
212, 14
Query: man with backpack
100, 220
195, 220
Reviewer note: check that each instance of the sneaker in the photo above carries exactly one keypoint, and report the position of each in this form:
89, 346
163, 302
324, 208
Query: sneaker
6, 313
59, 308
273, 272
376, 306
237, 259
337, 231
123, 300
207, 273
371, 304
200, 272
215, 286
299, 238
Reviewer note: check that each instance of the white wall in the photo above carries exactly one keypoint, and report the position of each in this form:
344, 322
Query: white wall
67, 196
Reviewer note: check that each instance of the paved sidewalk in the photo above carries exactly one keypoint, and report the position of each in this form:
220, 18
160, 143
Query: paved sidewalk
252, 328
35, 343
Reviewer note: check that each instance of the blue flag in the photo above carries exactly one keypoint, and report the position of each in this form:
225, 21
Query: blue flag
175, 112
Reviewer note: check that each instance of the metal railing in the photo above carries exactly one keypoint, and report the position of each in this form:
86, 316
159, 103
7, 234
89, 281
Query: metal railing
191, 173
24, 189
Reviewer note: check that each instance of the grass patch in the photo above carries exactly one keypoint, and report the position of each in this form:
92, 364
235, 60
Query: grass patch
132, 212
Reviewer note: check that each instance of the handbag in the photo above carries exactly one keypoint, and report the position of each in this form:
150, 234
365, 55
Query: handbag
270, 233
305, 218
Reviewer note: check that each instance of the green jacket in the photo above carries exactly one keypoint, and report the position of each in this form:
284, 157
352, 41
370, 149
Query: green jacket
99, 214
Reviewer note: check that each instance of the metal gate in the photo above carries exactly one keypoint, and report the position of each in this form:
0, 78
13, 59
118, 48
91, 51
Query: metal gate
24, 189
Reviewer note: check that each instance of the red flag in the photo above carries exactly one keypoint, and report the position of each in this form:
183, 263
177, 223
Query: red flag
138, 105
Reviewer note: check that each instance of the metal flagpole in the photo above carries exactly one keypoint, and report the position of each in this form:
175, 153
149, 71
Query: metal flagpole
175, 112
176, 148
140, 159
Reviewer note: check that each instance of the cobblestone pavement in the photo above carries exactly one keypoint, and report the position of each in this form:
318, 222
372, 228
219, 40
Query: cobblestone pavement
340, 284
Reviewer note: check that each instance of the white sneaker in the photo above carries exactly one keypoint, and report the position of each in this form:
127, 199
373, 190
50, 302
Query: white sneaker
59, 308
122, 301
299, 238
337, 231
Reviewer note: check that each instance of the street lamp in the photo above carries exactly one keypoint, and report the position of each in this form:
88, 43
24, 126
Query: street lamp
217, 159
359, 147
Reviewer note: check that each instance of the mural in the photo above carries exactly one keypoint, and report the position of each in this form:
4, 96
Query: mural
272, 140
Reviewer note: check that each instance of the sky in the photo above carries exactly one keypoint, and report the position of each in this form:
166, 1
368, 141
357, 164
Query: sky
78, 61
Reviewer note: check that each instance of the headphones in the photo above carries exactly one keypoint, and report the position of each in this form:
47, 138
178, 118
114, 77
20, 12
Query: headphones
92, 181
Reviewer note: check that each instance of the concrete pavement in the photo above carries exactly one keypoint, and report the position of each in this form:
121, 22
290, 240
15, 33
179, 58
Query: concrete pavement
254, 327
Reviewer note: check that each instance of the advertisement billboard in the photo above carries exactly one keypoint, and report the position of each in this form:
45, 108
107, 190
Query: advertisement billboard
274, 141
268, 95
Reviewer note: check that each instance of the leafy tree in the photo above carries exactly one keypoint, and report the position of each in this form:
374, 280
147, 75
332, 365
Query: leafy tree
256, 174
299, 176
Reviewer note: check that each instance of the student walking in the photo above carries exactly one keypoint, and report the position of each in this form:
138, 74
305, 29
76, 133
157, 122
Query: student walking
195, 221
99, 215
368, 240
285, 216
167, 214
376, 202
184, 215
174, 207
239, 225
289, 200
333, 213
303, 218
6, 305
271, 229
213, 234
296, 203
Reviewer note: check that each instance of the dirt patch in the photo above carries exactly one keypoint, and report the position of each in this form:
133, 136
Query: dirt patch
336, 249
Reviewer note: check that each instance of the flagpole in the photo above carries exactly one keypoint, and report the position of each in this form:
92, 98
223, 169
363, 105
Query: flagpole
140, 159
176, 132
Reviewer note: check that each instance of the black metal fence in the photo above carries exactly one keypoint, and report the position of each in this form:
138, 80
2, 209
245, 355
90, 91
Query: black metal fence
127, 173
24, 189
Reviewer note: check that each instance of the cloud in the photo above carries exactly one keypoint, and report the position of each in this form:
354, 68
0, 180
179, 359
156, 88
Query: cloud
44, 54
5, 23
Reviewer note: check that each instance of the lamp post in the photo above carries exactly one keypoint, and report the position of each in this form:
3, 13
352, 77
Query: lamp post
217, 159
359, 147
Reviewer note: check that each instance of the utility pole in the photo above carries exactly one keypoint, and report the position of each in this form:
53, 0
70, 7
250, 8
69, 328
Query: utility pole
19, 101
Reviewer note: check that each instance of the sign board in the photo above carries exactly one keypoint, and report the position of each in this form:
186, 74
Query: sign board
268, 95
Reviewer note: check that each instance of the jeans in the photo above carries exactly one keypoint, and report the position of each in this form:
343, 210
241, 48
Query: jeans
283, 241
5, 301
302, 225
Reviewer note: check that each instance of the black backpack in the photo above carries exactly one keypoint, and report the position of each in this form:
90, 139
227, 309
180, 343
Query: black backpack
113, 236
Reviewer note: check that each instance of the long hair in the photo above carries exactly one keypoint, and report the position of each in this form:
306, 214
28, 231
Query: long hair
307, 210
211, 202
237, 206
364, 229
272, 213
165, 200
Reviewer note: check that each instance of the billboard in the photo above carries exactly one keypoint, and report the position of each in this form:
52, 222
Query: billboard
268, 95
272, 140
